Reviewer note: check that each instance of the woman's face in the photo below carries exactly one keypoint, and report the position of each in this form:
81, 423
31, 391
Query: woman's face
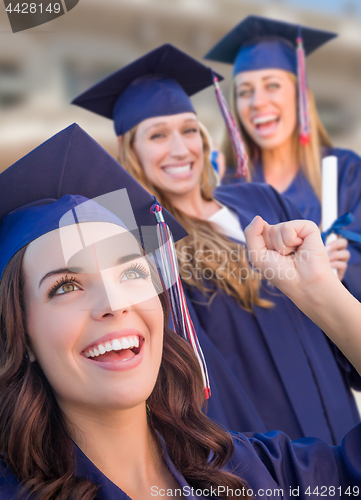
96, 329
266, 106
170, 151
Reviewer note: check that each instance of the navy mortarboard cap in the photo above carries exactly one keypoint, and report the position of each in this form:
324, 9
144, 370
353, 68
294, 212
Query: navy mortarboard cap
69, 179
260, 43
157, 84
69, 163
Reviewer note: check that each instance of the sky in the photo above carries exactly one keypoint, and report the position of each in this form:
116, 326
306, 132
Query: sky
331, 6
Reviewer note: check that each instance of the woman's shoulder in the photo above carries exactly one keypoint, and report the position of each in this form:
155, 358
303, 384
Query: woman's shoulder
341, 153
274, 461
245, 189
262, 459
349, 170
9, 484
257, 198
346, 157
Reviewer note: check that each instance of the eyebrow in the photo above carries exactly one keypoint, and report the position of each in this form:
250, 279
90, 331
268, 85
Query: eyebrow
263, 78
78, 270
127, 258
159, 124
62, 270
270, 76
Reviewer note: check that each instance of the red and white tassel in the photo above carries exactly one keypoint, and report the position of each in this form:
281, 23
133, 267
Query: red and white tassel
182, 322
303, 106
234, 133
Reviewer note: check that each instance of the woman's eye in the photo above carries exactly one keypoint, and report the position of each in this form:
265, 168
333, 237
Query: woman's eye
131, 275
191, 131
61, 289
273, 86
244, 93
137, 272
156, 136
66, 288
65, 285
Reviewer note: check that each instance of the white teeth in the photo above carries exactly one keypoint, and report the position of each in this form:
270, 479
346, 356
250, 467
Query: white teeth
175, 170
115, 345
125, 344
108, 347
264, 119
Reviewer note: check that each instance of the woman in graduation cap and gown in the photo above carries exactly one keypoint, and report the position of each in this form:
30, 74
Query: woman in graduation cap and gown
99, 399
283, 133
252, 336
270, 366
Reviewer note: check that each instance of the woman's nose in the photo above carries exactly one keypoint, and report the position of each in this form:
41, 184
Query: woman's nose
106, 301
102, 308
259, 97
178, 146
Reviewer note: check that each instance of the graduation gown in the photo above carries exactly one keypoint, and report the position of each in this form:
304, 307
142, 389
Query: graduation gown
349, 200
270, 464
274, 369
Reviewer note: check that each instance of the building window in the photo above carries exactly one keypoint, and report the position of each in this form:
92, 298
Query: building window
12, 91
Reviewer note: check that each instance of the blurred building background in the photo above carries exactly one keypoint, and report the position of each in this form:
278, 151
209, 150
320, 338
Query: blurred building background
43, 69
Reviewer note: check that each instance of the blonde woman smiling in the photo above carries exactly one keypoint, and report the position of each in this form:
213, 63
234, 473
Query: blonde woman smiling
283, 133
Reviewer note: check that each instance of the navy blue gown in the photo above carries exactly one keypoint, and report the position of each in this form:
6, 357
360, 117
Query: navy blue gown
270, 464
274, 369
349, 200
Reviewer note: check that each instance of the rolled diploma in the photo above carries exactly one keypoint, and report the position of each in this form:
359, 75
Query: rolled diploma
329, 196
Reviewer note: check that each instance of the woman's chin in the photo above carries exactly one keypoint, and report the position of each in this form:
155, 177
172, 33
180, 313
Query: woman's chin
178, 193
123, 400
273, 141
271, 137
179, 186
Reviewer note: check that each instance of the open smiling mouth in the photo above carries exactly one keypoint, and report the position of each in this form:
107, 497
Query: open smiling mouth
264, 122
122, 349
178, 169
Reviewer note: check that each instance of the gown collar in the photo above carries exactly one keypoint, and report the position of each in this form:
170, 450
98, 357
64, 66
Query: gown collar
110, 491
299, 191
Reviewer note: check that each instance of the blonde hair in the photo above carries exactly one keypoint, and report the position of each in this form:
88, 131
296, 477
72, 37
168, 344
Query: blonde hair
222, 258
308, 156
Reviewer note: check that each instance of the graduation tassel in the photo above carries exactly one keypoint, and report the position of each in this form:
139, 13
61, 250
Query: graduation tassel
303, 108
233, 131
182, 322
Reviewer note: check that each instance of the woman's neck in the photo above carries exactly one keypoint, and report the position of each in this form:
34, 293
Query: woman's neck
123, 447
194, 205
280, 165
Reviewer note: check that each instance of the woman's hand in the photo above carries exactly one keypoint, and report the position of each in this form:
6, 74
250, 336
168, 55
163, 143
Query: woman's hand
291, 255
338, 256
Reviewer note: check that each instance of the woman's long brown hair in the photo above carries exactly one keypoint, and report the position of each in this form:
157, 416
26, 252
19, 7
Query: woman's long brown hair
35, 440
